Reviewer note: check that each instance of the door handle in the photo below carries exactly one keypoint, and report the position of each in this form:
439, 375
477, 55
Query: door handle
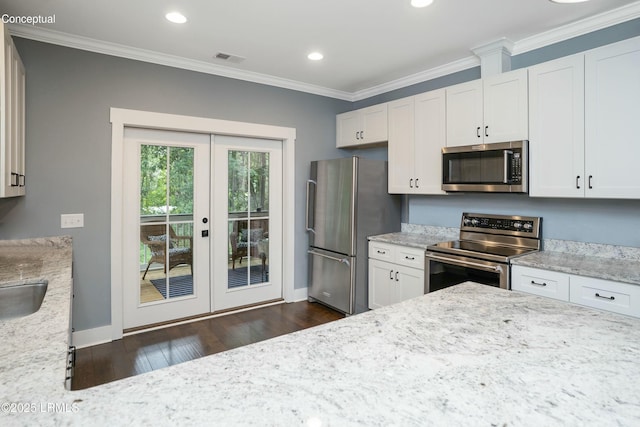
486, 131
590, 178
306, 215
493, 267
507, 163
410, 182
578, 182
478, 131
342, 260
205, 233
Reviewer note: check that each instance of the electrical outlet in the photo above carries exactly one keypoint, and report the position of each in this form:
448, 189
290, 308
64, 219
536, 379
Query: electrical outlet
71, 220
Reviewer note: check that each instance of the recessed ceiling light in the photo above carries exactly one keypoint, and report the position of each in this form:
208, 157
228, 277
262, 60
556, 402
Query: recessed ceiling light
567, 1
421, 3
176, 17
315, 56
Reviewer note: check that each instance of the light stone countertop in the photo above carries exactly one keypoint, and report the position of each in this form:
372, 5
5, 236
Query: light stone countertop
420, 241
418, 236
466, 355
615, 269
33, 348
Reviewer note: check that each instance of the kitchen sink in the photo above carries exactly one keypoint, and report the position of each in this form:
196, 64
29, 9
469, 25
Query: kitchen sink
21, 300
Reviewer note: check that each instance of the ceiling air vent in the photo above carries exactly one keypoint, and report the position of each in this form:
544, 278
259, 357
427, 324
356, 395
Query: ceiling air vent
227, 57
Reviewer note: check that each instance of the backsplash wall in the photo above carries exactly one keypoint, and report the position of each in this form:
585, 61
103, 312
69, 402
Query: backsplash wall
612, 222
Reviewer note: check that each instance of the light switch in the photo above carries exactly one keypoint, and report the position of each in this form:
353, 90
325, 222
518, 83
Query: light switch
71, 220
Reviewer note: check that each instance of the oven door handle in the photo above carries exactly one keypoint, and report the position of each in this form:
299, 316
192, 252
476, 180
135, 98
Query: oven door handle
463, 263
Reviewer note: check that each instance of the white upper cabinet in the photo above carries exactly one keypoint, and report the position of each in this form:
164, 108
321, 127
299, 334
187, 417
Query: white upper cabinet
493, 109
12, 119
464, 114
361, 127
612, 112
416, 136
556, 128
584, 112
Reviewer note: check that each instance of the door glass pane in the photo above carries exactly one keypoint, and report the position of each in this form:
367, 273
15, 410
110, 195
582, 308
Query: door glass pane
166, 222
248, 213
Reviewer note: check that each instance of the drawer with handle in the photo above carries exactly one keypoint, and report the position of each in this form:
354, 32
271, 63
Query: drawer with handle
382, 251
410, 257
540, 282
618, 297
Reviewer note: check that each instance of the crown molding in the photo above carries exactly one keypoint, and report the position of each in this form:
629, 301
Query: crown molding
423, 76
84, 43
578, 28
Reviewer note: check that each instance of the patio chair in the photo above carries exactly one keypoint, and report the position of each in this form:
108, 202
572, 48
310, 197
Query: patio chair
180, 247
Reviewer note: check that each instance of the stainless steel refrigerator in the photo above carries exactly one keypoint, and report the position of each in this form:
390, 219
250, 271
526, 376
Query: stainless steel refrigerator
347, 201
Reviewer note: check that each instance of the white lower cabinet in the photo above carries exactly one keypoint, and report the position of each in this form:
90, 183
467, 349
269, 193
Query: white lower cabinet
618, 297
540, 282
396, 273
622, 298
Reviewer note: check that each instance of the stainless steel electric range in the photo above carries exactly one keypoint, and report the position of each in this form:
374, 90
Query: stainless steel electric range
482, 254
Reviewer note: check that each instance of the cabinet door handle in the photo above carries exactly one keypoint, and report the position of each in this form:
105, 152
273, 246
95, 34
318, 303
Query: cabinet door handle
357, 135
381, 252
391, 275
578, 182
396, 276
533, 282
410, 258
590, 178
486, 131
361, 134
411, 183
478, 131
417, 182
23, 180
611, 298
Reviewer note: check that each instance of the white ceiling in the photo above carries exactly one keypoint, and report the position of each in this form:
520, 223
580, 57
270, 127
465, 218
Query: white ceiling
370, 46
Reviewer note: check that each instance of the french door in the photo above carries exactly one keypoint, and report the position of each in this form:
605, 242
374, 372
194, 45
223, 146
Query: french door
166, 212
203, 219
248, 221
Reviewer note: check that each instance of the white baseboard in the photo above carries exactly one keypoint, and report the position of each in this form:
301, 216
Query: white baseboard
103, 334
90, 337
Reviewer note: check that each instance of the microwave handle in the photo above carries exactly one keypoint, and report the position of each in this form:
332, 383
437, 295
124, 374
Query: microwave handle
506, 178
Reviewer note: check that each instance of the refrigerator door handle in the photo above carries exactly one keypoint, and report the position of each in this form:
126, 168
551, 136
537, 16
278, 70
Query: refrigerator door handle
342, 260
306, 214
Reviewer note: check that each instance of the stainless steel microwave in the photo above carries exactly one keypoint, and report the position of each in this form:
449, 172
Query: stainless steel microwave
494, 168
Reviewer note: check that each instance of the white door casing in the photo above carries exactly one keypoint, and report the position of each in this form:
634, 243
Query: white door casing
121, 118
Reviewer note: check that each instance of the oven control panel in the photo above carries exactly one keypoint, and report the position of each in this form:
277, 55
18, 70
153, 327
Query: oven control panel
496, 223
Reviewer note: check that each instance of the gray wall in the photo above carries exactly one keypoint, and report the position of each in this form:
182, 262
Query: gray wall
69, 93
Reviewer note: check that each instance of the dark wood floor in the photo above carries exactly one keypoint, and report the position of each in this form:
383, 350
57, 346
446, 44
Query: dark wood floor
147, 351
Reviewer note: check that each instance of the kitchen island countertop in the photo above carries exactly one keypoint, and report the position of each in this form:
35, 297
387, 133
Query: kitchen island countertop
466, 355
